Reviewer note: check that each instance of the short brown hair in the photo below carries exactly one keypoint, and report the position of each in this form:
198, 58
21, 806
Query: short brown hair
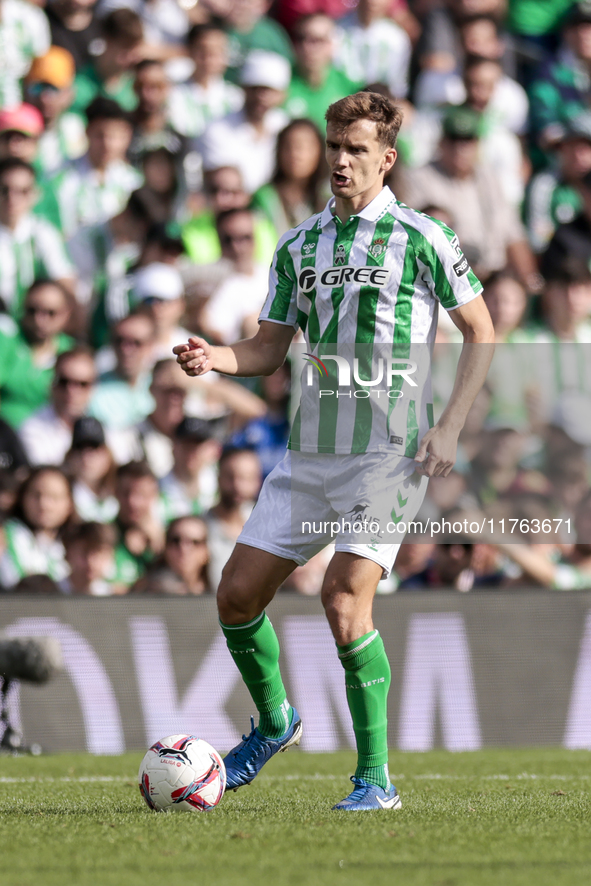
94, 536
367, 106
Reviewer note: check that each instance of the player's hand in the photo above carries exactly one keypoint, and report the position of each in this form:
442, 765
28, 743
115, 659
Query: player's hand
436, 455
194, 358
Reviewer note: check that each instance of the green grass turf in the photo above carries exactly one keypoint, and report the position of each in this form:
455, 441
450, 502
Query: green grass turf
489, 817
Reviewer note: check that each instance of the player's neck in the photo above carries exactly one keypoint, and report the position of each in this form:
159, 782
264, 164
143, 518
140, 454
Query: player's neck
345, 207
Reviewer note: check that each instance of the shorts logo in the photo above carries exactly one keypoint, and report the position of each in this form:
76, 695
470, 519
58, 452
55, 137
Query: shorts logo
340, 256
307, 279
378, 247
308, 248
366, 276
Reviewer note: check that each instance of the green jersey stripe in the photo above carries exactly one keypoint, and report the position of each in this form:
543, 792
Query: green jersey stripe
329, 406
366, 330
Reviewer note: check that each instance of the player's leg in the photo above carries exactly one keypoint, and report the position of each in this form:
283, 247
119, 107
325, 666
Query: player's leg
347, 595
249, 582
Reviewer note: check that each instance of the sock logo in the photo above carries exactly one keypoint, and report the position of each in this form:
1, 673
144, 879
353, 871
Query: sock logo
240, 651
365, 685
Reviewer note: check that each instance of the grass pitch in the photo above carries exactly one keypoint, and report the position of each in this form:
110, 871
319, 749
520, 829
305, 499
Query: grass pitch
516, 818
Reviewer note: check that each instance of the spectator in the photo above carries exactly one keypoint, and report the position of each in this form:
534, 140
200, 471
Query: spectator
488, 227
562, 88
296, 190
223, 190
233, 309
566, 303
158, 291
29, 351
316, 83
90, 550
24, 34
191, 485
553, 196
75, 27
104, 255
20, 129
164, 185
49, 87
246, 138
33, 534
152, 128
13, 456
122, 397
110, 73
268, 435
47, 434
571, 239
239, 485
94, 187
450, 567
182, 568
13, 462
92, 468
30, 247
140, 535
250, 30
371, 48
207, 95
155, 433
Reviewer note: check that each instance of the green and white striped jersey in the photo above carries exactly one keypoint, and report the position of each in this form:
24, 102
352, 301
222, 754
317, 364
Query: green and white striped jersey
33, 249
191, 106
365, 294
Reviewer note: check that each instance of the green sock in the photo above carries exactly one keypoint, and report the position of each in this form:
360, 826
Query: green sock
255, 649
367, 678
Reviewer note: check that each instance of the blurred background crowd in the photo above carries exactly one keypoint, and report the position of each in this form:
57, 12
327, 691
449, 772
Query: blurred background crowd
152, 152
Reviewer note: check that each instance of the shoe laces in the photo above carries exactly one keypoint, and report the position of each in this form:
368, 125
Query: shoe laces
360, 790
250, 747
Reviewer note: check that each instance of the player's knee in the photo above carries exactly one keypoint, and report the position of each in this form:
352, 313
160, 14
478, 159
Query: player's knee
334, 591
234, 597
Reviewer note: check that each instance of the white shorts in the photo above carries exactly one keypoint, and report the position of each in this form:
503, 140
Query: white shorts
361, 502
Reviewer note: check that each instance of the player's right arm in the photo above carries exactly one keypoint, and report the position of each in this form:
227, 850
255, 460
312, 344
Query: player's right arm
260, 355
266, 351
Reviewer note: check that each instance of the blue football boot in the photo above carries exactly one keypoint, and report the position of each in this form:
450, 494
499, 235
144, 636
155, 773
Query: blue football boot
244, 762
368, 796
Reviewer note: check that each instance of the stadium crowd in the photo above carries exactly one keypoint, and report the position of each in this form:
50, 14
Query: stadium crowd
152, 152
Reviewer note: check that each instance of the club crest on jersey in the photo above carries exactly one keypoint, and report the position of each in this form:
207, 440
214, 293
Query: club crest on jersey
378, 247
308, 248
340, 255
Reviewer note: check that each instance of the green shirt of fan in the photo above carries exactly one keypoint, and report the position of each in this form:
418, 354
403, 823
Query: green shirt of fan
202, 243
536, 17
266, 34
88, 86
24, 385
129, 567
312, 102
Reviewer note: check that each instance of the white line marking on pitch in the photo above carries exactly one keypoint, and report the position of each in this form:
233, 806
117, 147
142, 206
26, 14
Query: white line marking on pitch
434, 776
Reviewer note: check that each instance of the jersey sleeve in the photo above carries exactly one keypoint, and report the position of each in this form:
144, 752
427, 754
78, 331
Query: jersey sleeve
281, 303
453, 280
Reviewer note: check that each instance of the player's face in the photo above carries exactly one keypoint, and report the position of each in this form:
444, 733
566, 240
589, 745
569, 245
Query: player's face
357, 159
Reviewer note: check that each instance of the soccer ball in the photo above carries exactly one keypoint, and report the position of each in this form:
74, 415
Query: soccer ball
182, 773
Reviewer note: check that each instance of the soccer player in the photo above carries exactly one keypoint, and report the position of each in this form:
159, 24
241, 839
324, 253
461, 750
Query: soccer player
369, 271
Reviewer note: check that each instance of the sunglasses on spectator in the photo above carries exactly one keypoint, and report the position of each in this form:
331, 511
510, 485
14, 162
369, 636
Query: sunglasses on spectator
6, 190
64, 381
154, 300
133, 342
32, 310
236, 238
36, 89
179, 540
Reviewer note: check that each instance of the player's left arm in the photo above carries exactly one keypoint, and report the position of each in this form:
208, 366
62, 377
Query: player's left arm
437, 450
